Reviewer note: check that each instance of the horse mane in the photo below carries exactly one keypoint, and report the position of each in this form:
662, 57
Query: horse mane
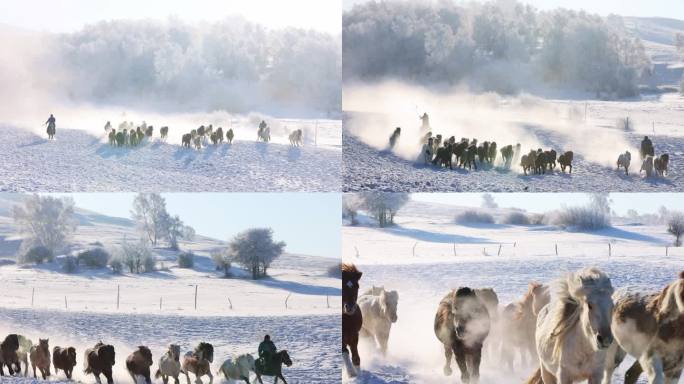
526, 301
349, 268
570, 292
670, 301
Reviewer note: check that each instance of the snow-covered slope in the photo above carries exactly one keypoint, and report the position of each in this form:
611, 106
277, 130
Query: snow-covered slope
77, 161
426, 254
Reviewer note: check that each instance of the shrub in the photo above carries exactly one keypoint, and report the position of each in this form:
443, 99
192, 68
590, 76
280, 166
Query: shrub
37, 254
70, 265
186, 259
116, 264
149, 262
516, 218
222, 259
474, 217
94, 258
137, 257
582, 218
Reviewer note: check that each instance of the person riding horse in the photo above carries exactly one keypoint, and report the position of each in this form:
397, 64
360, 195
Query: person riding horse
267, 352
646, 147
425, 119
51, 125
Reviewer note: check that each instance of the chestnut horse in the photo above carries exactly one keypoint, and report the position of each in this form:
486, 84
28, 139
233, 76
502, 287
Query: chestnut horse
40, 358
99, 360
199, 362
138, 363
352, 320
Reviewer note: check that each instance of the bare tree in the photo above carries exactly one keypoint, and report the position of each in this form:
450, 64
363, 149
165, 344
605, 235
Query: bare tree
351, 204
149, 212
384, 206
176, 230
255, 249
45, 221
675, 227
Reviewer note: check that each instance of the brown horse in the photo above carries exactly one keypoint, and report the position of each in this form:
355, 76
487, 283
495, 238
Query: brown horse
40, 358
352, 320
462, 325
64, 359
280, 358
8, 353
99, 360
199, 362
138, 363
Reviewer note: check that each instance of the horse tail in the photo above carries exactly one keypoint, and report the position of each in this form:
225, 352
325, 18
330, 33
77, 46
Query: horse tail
535, 378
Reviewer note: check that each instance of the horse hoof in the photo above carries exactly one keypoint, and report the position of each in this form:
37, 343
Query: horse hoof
447, 371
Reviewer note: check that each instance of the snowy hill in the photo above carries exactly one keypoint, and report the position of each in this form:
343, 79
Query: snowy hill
426, 254
79, 161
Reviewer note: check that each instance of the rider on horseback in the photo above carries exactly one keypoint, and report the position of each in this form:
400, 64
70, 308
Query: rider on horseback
425, 119
267, 351
51, 125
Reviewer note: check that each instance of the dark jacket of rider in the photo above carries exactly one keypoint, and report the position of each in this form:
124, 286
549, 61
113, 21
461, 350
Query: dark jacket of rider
267, 348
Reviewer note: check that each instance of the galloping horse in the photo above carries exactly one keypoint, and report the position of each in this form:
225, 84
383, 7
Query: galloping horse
280, 358
352, 319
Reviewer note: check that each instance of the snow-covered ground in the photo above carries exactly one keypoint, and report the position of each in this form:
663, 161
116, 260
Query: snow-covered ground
426, 254
557, 124
81, 160
298, 304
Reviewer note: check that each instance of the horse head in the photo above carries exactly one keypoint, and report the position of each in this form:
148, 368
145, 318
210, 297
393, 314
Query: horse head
350, 288
146, 354
672, 300
71, 355
591, 291
389, 300
540, 296
205, 351
174, 351
11, 343
43, 345
285, 358
471, 318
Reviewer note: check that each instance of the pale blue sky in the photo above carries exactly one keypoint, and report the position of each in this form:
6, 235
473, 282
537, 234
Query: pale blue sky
662, 8
71, 15
308, 222
541, 202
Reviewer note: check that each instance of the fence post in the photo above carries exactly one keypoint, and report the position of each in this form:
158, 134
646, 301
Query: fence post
118, 295
499, 252
454, 249
33, 293
286, 299
66, 306
196, 285
160, 303
610, 250
327, 301
666, 250
556, 249
414, 249
230, 303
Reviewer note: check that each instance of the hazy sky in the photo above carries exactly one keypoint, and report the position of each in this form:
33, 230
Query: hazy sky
541, 202
662, 8
308, 222
71, 15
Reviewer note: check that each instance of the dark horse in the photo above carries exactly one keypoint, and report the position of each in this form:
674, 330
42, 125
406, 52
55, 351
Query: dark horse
279, 359
138, 363
352, 320
100, 360
64, 359
8, 354
462, 325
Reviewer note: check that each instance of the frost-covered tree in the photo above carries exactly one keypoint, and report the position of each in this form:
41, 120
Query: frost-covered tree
601, 202
137, 257
675, 227
45, 221
223, 260
176, 230
488, 201
256, 249
149, 213
351, 204
383, 206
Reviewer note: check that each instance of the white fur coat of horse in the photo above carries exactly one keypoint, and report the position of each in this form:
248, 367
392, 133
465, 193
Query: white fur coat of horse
169, 364
573, 331
379, 310
238, 367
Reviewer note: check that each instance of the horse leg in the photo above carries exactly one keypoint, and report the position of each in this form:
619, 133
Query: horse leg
476, 358
280, 375
547, 377
187, 376
108, 375
383, 335
354, 346
461, 361
258, 377
97, 378
653, 366
448, 353
34, 371
211, 377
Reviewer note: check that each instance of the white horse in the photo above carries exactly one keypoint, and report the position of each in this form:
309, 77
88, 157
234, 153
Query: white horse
518, 325
649, 328
647, 166
296, 138
238, 368
264, 134
379, 310
25, 345
623, 161
169, 364
573, 331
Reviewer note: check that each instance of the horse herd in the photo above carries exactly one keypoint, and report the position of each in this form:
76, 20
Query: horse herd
468, 153
128, 135
581, 332
100, 360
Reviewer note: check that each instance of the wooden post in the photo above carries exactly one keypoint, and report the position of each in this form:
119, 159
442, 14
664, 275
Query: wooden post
610, 250
586, 105
414, 249
230, 303
118, 295
66, 306
327, 301
454, 249
556, 249
196, 285
33, 293
286, 299
499, 252
515, 243
666, 250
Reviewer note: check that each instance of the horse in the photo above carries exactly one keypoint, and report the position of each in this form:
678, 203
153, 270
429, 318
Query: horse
623, 161
219, 135
394, 137
138, 363
51, 130
541, 162
112, 137
443, 157
149, 131
462, 324
164, 132
185, 140
507, 155
200, 130
281, 357
565, 160
296, 138
379, 311
230, 135
8, 353
573, 331
238, 368
169, 364
352, 318
427, 151
470, 153
528, 162
647, 166
64, 359
25, 345
40, 358
649, 327
264, 134
99, 360
199, 362
551, 157
518, 324
197, 141
660, 164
